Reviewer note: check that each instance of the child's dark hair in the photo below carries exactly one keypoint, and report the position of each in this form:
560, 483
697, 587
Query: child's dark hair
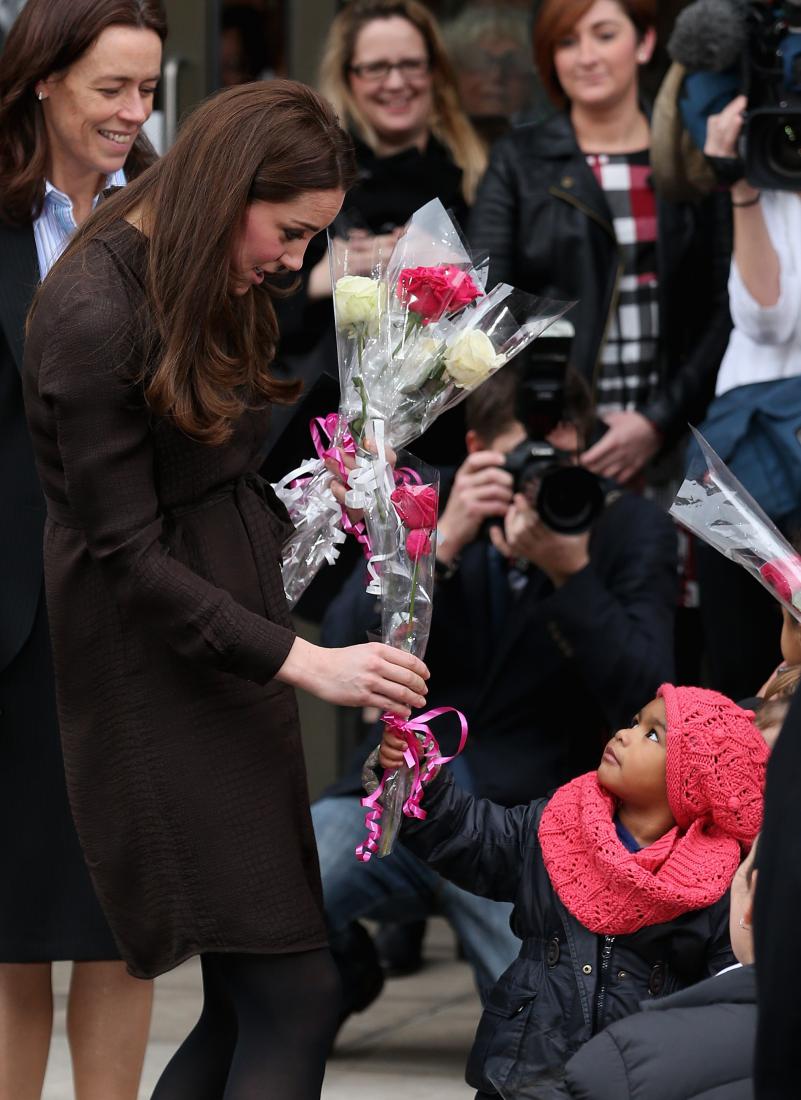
490, 410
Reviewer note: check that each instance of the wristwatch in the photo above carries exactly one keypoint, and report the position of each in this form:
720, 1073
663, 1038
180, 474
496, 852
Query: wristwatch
443, 571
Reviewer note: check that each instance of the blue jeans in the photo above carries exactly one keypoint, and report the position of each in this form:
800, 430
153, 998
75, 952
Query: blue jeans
403, 888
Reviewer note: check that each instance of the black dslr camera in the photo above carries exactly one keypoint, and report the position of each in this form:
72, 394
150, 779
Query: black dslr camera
566, 497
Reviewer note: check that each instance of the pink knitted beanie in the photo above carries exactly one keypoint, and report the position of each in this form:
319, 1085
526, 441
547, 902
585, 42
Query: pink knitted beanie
715, 763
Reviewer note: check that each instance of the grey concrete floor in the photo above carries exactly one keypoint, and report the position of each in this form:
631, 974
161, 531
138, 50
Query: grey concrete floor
412, 1043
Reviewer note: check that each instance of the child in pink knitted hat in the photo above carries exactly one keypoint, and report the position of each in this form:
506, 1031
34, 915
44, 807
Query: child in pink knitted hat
620, 880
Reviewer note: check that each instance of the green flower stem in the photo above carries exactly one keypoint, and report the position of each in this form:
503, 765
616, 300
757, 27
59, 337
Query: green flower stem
358, 385
413, 321
414, 591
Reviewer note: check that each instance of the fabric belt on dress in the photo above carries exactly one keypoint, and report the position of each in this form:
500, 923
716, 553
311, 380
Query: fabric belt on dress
61, 513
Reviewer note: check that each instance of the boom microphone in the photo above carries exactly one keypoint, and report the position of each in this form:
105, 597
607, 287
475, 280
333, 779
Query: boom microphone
710, 35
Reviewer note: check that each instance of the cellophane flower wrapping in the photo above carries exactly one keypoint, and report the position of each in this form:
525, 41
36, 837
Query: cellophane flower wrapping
407, 594
320, 526
715, 507
414, 338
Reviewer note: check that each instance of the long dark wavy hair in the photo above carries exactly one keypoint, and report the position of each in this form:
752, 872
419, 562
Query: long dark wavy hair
48, 37
269, 141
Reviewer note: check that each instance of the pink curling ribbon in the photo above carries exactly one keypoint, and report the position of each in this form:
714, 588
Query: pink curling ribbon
423, 759
405, 475
329, 425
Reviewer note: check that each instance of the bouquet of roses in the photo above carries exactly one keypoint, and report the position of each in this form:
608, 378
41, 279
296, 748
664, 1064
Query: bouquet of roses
713, 505
414, 338
407, 587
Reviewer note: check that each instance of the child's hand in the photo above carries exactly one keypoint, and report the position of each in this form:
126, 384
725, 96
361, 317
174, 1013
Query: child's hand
392, 750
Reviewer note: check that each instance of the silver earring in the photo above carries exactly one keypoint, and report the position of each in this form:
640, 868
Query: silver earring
40, 96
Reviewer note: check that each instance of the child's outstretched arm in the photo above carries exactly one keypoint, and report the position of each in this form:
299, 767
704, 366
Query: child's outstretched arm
479, 845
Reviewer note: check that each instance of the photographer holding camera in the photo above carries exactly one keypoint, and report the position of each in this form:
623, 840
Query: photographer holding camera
585, 617
754, 421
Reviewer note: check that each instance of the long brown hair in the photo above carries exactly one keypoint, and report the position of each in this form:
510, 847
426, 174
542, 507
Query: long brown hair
450, 124
270, 141
48, 37
557, 18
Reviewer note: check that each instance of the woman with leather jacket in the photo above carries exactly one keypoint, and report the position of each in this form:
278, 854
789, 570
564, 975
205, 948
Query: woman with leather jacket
567, 209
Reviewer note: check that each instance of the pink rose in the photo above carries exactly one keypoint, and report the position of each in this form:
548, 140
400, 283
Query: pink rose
418, 544
432, 291
417, 506
784, 577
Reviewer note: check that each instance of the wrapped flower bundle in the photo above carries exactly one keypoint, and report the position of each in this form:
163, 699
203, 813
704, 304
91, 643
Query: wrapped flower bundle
407, 588
713, 505
414, 338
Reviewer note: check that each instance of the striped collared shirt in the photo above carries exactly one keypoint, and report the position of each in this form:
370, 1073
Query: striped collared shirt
56, 223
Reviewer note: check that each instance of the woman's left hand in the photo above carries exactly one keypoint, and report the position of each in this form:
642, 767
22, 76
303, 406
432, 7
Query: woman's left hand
723, 130
339, 485
625, 448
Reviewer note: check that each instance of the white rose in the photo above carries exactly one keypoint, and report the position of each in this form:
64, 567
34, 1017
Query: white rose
471, 359
356, 298
421, 357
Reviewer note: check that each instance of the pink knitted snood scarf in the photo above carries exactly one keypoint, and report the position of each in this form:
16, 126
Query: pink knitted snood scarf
613, 891
715, 777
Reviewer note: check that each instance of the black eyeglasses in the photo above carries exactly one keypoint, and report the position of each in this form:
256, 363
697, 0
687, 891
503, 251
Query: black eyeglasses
410, 67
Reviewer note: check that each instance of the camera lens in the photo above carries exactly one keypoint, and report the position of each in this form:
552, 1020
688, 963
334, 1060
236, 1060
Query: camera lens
783, 147
569, 499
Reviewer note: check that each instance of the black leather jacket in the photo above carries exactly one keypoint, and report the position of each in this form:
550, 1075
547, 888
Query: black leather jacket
544, 220
567, 983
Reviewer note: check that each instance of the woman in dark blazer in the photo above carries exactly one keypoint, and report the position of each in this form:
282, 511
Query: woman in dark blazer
76, 85
148, 393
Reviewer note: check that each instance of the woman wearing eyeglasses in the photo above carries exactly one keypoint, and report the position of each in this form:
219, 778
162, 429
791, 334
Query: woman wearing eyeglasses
386, 71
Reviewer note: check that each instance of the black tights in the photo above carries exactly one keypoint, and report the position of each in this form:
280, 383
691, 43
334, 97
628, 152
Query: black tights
266, 1028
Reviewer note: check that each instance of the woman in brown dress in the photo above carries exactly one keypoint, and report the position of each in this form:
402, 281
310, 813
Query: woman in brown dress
147, 392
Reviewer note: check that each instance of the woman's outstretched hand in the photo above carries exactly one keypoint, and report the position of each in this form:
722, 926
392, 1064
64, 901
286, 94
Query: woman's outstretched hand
369, 675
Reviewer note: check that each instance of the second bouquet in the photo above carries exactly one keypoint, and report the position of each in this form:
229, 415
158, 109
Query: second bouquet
406, 588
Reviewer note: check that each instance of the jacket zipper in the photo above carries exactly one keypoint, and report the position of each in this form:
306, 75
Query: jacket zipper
613, 302
606, 955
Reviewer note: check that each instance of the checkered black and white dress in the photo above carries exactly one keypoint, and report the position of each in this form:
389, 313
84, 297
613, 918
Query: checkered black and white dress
628, 372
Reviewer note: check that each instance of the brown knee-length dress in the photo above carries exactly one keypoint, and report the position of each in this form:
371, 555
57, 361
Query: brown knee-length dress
168, 619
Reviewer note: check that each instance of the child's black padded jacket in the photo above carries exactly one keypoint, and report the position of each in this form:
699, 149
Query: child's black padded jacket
567, 983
